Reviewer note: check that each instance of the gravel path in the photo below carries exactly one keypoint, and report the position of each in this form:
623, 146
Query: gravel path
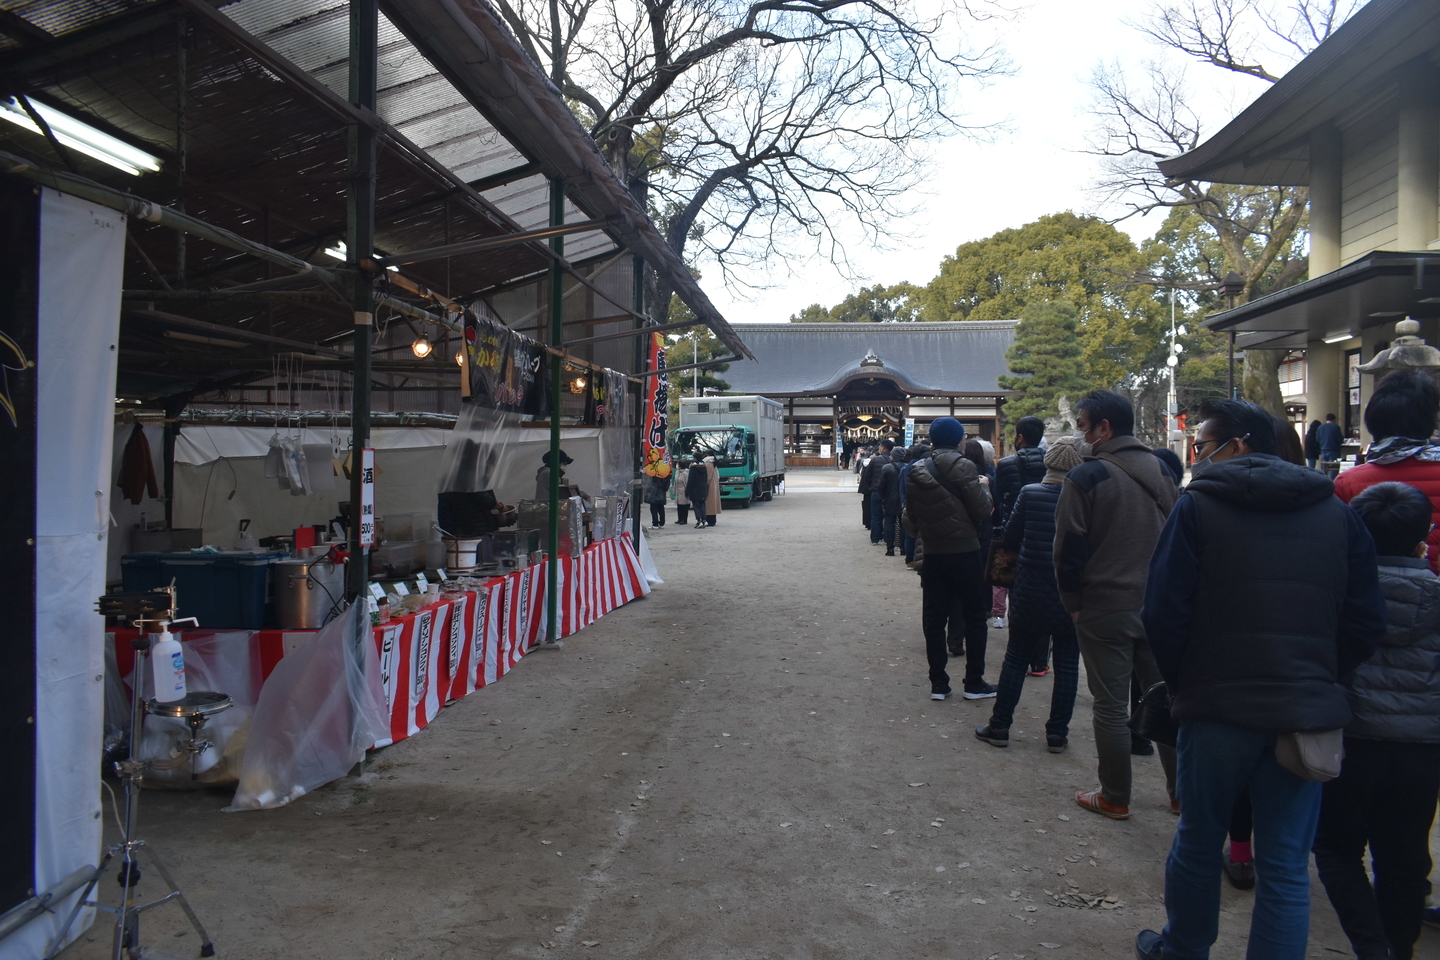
745, 764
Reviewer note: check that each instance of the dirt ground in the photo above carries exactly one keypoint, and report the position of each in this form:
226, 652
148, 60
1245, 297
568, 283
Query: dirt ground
745, 764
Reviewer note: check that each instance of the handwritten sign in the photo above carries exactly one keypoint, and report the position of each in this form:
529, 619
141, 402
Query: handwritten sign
367, 497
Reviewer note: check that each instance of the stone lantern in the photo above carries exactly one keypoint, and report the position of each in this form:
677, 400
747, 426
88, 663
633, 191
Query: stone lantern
1406, 352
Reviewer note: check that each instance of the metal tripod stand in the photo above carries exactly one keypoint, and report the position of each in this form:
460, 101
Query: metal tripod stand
195, 708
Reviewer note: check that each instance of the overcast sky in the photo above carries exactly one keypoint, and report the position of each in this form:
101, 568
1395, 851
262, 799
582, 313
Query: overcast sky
1031, 169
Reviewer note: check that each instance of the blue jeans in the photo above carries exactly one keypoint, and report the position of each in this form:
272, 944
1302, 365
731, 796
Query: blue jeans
877, 518
1216, 762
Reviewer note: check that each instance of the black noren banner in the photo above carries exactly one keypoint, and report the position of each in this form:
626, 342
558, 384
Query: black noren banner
19, 286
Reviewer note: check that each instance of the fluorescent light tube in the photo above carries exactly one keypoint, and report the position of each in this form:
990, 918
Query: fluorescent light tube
1337, 338
82, 137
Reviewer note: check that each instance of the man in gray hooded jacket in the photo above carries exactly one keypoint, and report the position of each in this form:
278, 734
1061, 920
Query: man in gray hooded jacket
1385, 794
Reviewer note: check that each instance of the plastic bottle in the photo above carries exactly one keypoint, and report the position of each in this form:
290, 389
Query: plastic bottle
167, 666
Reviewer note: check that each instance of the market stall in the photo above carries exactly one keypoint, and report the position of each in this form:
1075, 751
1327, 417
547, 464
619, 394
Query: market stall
249, 248
470, 636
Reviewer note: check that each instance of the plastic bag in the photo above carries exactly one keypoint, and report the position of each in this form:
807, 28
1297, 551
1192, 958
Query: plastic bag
308, 727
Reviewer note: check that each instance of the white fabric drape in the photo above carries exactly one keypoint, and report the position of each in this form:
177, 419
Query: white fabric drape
82, 250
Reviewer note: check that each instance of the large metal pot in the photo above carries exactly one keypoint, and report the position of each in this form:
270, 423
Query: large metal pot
305, 591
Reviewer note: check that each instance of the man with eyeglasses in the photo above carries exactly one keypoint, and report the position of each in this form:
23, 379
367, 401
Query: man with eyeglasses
1112, 508
1262, 599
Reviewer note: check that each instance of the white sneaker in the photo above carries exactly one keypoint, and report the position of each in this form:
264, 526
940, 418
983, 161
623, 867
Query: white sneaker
998, 623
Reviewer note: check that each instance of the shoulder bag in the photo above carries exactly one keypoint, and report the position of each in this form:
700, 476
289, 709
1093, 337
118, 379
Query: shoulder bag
1152, 719
1001, 565
1311, 754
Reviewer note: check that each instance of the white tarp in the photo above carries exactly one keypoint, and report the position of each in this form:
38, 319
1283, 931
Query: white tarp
200, 444
82, 250
220, 476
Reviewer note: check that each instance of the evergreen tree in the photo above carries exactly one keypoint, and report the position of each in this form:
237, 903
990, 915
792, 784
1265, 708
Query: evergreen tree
814, 313
1080, 260
1045, 360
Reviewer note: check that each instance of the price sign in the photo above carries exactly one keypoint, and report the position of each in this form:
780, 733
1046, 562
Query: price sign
367, 497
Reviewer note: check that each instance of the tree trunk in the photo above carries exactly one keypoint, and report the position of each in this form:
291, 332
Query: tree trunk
1260, 380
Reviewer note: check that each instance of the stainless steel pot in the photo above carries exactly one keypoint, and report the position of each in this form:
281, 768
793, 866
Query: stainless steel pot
305, 591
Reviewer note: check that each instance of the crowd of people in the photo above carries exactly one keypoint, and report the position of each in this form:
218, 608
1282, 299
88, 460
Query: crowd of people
1286, 622
697, 486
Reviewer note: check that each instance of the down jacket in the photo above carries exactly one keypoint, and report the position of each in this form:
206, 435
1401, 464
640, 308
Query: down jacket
887, 488
943, 524
1396, 693
1031, 531
1027, 466
870, 473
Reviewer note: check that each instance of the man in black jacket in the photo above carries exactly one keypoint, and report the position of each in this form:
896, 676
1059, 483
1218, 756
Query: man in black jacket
1027, 466
947, 502
892, 497
870, 485
1262, 599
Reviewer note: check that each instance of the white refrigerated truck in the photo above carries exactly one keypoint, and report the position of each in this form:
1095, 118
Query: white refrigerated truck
745, 435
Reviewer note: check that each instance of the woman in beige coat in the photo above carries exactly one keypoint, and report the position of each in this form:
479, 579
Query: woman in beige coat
682, 500
712, 499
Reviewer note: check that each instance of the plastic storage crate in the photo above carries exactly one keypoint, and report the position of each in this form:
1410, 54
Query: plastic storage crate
224, 591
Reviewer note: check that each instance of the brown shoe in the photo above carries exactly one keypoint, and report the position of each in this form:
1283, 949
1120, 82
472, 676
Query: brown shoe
1095, 802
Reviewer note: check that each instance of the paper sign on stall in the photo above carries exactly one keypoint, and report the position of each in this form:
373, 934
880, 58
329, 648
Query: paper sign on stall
367, 497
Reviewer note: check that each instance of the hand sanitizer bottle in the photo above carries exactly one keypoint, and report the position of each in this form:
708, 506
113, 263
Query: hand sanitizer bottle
167, 666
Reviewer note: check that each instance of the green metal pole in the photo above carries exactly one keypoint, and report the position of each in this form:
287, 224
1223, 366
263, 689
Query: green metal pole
642, 361
364, 43
557, 376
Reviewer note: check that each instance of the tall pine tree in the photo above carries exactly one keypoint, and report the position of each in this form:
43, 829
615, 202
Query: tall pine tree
1045, 360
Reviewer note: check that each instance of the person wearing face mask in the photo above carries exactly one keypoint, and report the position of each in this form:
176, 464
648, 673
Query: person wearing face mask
1111, 510
1262, 600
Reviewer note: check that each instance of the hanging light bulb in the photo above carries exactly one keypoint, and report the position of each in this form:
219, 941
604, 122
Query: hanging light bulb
421, 347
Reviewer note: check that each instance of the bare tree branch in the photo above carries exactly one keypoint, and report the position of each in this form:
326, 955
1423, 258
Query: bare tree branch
748, 126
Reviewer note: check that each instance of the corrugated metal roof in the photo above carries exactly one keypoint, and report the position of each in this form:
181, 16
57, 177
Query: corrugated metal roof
266, 127
960, 357
416, 99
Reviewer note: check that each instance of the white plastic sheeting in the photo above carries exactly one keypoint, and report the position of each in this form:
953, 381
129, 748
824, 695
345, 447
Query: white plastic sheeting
226, 662
82, 250
318, 712
490, 450
647, 563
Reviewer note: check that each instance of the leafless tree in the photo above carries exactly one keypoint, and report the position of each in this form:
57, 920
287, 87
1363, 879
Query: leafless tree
761, 132
1141, 120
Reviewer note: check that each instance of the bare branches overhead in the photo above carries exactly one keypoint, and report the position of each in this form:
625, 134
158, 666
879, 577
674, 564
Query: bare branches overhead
1236, 35
750, 126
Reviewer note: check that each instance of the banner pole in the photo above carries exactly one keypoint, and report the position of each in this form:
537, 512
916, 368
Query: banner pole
364, 45
642, 362
557, 376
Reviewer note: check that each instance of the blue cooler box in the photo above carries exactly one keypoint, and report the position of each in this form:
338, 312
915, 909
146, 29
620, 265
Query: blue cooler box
223, 591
